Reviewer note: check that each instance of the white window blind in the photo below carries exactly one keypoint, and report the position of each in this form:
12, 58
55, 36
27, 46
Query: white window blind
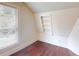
8, 26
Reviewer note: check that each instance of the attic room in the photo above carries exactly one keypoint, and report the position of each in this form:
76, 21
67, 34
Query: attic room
39, 29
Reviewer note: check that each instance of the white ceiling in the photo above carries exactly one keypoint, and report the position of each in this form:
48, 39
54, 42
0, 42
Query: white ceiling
50, 6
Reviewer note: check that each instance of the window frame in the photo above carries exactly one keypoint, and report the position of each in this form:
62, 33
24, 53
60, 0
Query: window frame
17, 18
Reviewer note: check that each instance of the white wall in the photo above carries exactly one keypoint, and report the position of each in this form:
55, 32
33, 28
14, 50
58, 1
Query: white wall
62, 23
27, 29
64, 20
73, 40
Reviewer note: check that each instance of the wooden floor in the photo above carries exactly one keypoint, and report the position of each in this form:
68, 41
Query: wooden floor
43, 49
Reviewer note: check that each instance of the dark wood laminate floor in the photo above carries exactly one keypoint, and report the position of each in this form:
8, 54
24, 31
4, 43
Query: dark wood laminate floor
43, 49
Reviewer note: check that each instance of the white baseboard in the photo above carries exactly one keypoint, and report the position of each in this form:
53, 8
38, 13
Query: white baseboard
14, 50
55, 40
76, 52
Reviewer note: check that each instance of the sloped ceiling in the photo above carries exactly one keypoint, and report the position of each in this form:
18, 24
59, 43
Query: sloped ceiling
38, 7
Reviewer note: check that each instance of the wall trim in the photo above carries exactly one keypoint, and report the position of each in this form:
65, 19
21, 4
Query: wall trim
8, 53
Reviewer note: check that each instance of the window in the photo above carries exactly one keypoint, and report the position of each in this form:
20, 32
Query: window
46, 24
8, 26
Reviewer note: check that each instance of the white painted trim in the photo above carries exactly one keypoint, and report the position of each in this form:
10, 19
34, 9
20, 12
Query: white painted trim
8, 53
